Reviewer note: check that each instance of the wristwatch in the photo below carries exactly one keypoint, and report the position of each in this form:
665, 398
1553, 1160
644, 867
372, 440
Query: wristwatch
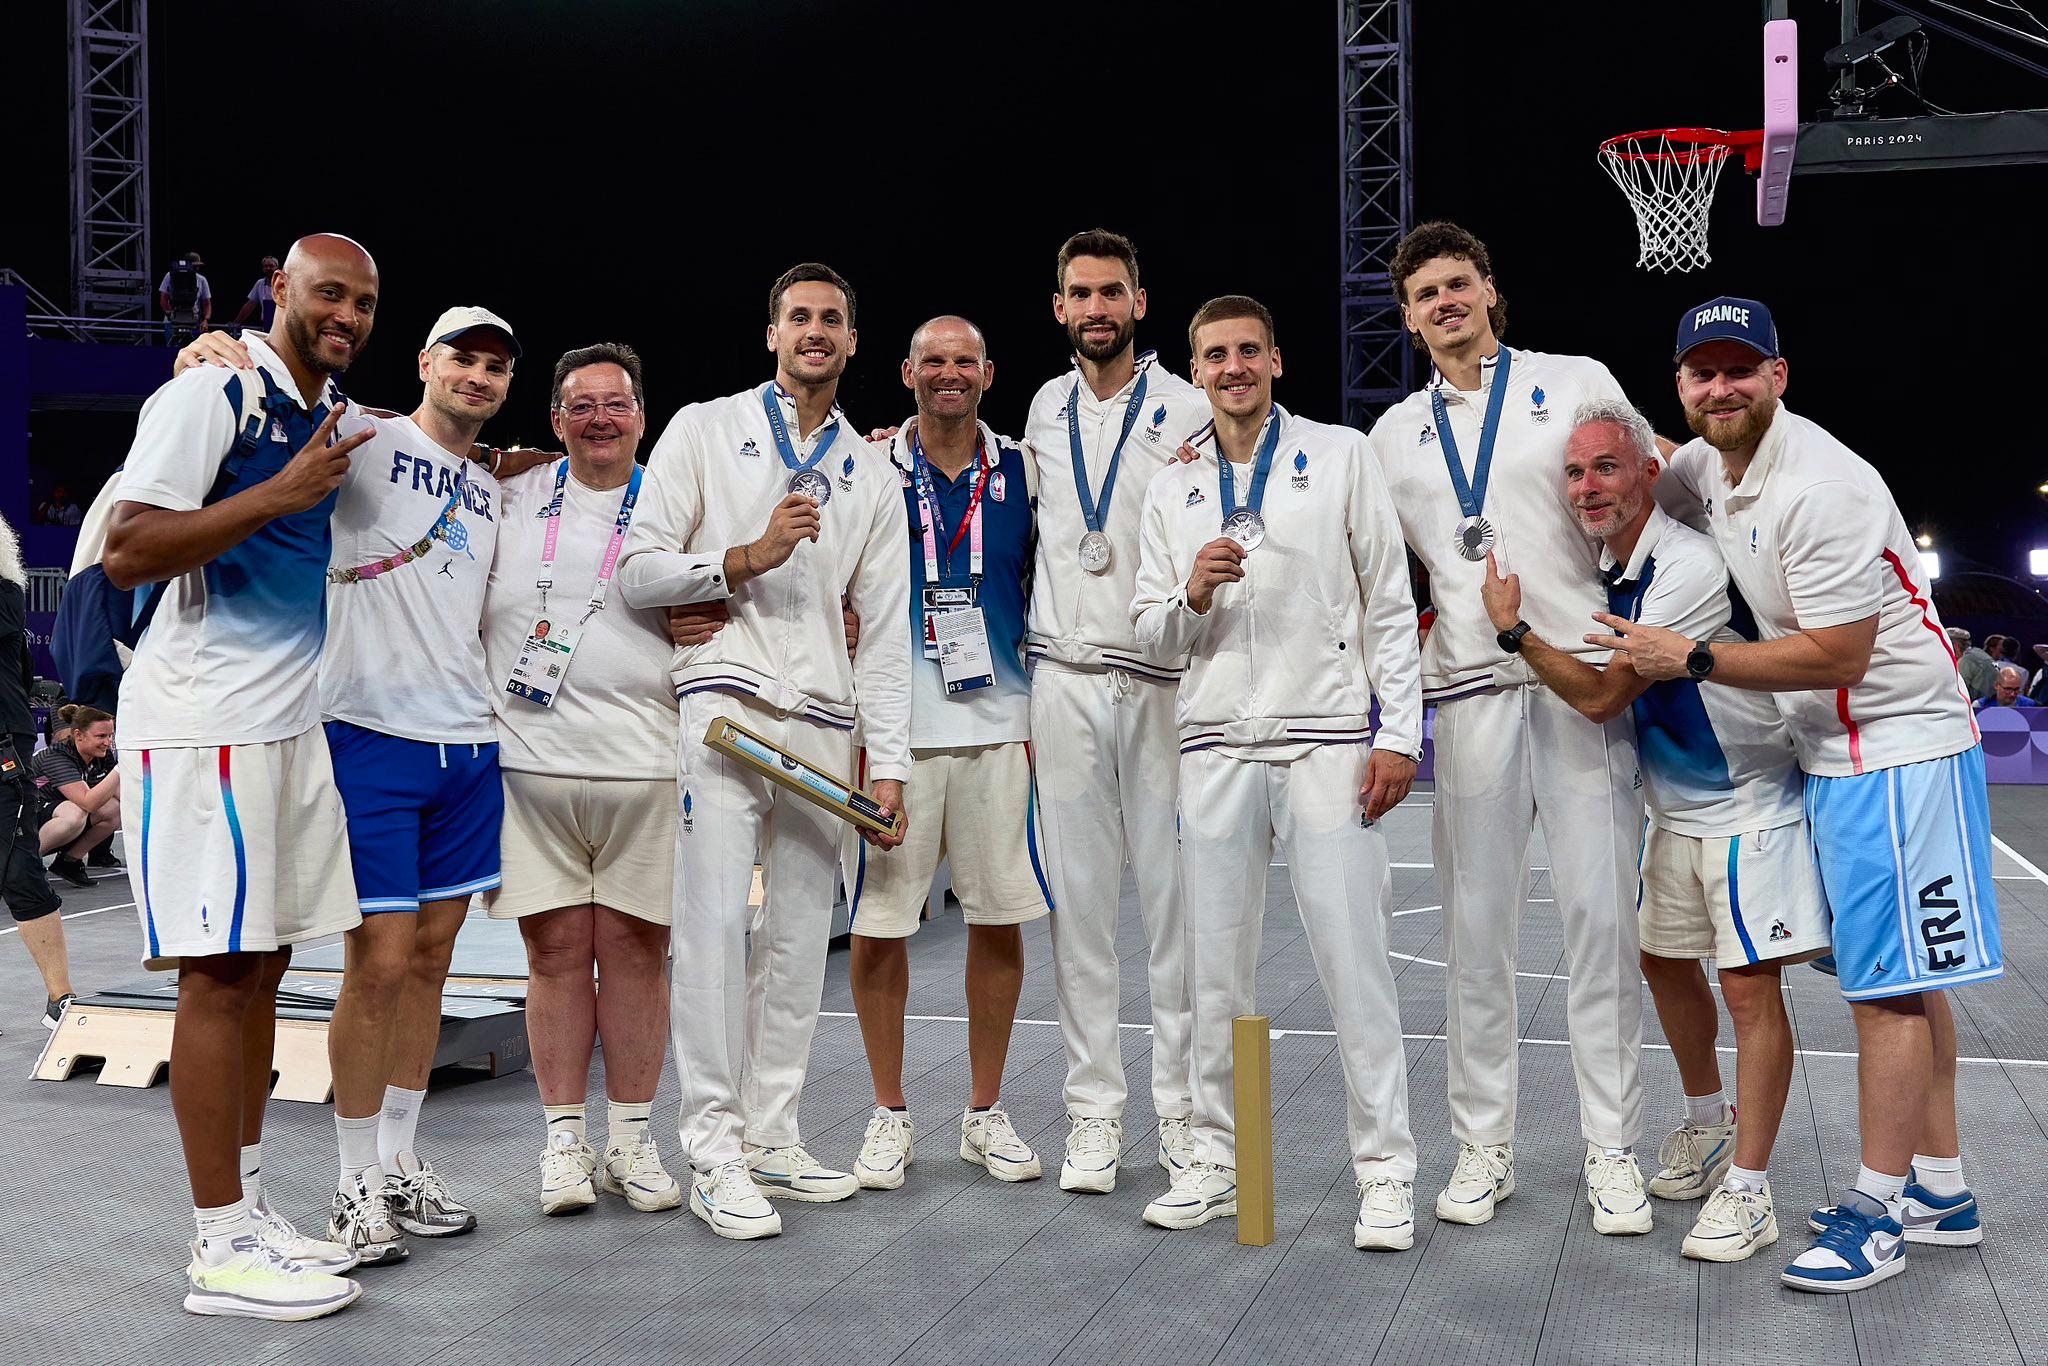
1700, 662
1511, 639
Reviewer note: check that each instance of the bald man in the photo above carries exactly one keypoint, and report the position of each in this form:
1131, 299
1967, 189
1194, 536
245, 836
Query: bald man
970, 499
224, 501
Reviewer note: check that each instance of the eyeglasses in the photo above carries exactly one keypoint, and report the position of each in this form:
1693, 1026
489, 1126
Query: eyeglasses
584, 411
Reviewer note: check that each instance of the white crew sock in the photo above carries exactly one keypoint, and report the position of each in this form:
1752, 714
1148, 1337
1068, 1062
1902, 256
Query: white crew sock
1743, 1179
1707, 1111
252, 1173
356, 1139
1941, 1175
626, 1121
569, 1117
1881, 1186
218, 1229
398, 1124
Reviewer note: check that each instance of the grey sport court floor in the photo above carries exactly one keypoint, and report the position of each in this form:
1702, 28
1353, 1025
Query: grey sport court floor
956, 1267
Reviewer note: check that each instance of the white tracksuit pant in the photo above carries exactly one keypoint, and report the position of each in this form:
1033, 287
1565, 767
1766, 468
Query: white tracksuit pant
1232, 814
1503, 758
1107, 759
736, 1015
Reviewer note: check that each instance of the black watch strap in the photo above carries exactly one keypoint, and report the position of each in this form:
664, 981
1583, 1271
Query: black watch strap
1511, 639
1699, 661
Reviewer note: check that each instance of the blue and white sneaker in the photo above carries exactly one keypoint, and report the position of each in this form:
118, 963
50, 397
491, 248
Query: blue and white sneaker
1201, 1191
791, 1173
1692, 1162
1857, 1251
727, 1199
1939, 1220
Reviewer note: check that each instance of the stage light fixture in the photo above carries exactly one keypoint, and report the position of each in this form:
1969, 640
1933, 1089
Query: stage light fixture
1930, 561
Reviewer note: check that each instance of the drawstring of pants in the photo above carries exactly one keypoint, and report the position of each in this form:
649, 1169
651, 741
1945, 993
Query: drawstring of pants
444, 754
1119, 686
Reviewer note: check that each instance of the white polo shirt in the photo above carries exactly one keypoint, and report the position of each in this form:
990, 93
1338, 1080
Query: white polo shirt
1077, 617
616, 714
403, 652
1536, 534
1812, 539
1715, 761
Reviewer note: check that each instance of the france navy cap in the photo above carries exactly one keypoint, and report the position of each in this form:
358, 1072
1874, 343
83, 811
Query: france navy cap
1729, 319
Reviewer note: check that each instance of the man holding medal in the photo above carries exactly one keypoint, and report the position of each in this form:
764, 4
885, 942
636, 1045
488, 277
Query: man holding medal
1274, 563
588, 754
1102, 704
764, 499
968, 494
1472, 462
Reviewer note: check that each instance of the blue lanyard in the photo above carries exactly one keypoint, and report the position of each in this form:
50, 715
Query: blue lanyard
1093, 510
938, 550
1226, 481
783, 444
1472, 497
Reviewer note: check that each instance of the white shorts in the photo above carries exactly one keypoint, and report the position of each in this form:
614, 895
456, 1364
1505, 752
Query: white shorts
586, 841
236, 848
977, 809
1736, 899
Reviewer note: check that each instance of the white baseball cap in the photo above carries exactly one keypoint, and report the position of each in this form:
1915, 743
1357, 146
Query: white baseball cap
467, 317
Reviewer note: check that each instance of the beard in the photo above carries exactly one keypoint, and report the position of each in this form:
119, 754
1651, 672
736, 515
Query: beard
1612, 518
798, 367
1732, 435
1098, 352
450, 405
305, 340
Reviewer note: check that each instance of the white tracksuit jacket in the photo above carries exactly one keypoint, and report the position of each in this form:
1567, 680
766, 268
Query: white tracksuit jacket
712, 480
1323, 619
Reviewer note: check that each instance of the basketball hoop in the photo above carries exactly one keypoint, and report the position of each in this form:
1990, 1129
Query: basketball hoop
1669, 175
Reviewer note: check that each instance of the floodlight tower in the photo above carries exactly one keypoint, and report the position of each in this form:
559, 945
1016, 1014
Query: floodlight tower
1375, 105
107, 42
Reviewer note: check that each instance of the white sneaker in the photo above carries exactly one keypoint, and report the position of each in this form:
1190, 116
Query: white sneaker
1201, 1191
791, 1173
309, 1254
885, 1152
727, 1199
1614, 1188
1386, 1215
1176, 1144
360, 1221
1093, 1148
634, 1170
1732, 1225
565, 1169
257, 1283
1484, 1176
988, 1139
1693, 1161
420, 1203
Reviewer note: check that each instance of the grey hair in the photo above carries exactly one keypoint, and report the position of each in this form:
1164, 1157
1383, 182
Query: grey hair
2013, 669
1624, 415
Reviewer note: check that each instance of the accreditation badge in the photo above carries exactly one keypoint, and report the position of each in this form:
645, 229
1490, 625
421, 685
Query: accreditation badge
964, 659
939, 599
543, 661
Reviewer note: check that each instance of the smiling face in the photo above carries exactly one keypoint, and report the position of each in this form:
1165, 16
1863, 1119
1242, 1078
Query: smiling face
1446, 305
94, 741
948, 369
326, 299
1729, 392
1099, 307
467, 379
811, 336
1606, 480
597, 418
1236, 364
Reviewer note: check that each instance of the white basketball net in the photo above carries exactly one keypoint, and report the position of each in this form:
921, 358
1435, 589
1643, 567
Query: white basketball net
1669, 177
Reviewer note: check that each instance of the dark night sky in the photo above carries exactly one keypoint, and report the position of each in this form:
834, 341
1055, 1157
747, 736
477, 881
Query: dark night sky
641, 171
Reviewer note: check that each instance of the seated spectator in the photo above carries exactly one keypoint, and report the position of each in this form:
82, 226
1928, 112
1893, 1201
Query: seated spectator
81, 811
1977, 668
2005, 691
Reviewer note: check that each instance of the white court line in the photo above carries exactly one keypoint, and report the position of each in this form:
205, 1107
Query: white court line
1438, 963
2021, 860
77, 915
1438, 1038
1417, 910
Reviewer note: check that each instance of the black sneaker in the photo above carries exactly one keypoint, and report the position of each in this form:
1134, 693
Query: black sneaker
53, 1013
71, 870
103, 857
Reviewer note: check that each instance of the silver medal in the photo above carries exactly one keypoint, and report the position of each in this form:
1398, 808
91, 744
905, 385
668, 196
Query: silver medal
1245, 527
1095, 552
1473, 538
811, 485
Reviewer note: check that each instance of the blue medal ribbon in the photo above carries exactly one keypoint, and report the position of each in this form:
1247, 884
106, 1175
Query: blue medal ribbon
1226, 480
783, 445
1472, 496
1094, 509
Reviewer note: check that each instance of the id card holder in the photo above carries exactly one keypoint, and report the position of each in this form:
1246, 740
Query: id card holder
938, 601
962, 640
543, 661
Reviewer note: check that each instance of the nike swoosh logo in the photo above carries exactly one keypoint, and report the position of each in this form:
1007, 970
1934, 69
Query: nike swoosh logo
1885, 1244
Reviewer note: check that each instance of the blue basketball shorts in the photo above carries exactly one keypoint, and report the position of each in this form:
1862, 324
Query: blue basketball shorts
1905, 860
422, 818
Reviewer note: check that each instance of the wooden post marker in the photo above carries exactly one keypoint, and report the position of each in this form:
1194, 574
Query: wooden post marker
1251, 1055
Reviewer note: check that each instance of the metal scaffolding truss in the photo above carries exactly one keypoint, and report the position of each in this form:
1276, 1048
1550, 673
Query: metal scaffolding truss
110, 247
1377, 140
